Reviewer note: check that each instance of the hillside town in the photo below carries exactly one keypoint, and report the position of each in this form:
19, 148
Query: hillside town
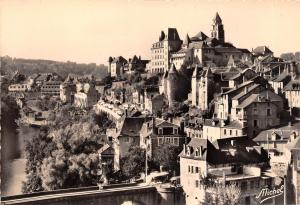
200, 116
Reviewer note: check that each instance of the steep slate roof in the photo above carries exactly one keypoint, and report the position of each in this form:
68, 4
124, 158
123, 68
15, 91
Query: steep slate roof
261, 50
227, 150
293, 85
284, 76
119, 59
187, 40
263, 95
106, 149
217, 19
131, 126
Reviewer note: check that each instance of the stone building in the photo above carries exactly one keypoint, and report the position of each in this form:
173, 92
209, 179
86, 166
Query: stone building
86, 95
292, 94
202, 88
208, 51
168, 42
126, 135
116, 66
157, 132
51, 87
67, 91
257, 111
214, 129
174, 85
236, 160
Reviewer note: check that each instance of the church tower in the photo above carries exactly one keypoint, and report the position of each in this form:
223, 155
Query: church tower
218, 29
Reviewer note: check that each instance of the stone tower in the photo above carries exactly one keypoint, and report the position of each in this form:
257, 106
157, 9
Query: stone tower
218, 29
110, 59
206, 89
195, 90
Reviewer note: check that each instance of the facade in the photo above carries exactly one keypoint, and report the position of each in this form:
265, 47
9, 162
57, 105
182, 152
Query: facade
292, 94
214, 129
106, 156
24, 87
51, 88
125, 136
157, 132
86, 95
259, 111
116, 66
202, 88
67, 92
168, 43
230, 160
275, 140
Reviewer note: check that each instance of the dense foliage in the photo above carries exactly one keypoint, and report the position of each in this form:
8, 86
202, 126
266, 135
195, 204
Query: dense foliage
133, 163
29, 67
64, 155
166, 156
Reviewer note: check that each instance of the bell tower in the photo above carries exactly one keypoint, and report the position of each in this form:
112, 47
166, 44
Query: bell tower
218, 29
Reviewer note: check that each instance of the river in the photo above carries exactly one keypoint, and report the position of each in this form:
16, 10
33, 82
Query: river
12, 151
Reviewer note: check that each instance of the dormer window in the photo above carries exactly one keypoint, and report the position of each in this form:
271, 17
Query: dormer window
175, 131
160, 131
197, 153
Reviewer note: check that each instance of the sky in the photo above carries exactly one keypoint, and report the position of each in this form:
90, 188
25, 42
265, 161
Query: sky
89, 31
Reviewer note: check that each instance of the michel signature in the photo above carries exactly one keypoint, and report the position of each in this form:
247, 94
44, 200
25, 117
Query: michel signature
267, 193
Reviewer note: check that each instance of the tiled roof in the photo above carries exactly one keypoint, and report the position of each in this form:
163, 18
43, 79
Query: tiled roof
131, 126
119, 59
226, 151
262, 96
261, 50
292, 86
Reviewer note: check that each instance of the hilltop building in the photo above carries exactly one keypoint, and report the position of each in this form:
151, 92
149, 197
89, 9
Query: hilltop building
236, 160
168, 42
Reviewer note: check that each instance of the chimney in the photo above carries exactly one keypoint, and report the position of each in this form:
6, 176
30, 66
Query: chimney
222, 123
291, 117
181, 126
153, 122
201, 149
184, 148
140, 58
246, 89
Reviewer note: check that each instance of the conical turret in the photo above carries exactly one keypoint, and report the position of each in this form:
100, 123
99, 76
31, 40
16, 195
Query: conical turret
217, 19
187, 40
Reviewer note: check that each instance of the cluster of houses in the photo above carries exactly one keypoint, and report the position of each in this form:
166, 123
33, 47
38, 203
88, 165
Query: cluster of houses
252, 98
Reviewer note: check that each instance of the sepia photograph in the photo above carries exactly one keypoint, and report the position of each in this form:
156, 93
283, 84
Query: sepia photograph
150, 102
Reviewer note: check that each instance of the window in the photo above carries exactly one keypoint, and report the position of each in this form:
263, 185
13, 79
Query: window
175, 131
197, 183
189, 168
196, 169
254, 110
268, 112
176, 141
224, 131
230, 132
126, 139
160, 131
192, 169
255, 123
251, 184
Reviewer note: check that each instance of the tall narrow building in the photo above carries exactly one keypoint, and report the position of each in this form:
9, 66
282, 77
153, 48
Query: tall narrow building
218, 29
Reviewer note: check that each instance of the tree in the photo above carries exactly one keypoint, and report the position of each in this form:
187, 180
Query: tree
133, 163
65, 156
166, 156
219, 194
